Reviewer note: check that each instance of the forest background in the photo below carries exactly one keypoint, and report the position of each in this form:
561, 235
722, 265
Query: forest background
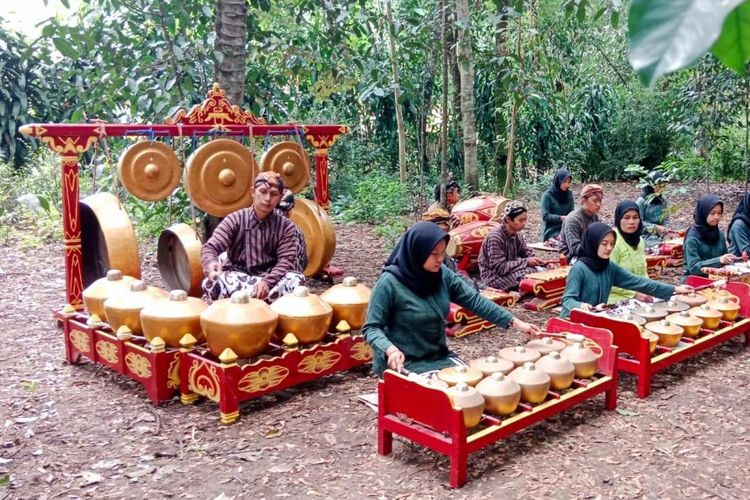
522, 87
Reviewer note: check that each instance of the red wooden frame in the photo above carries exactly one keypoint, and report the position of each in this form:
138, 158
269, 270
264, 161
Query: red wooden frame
425, 415
635, 357
214, 116
462, 322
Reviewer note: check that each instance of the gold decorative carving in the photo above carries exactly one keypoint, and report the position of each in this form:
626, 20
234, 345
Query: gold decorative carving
263, 379
215, 110
205, 383
107, 350
318, 362
361, 351
173, 374
138, 364
80, 340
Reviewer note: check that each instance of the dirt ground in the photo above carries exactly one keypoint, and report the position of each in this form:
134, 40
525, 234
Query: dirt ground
83, 431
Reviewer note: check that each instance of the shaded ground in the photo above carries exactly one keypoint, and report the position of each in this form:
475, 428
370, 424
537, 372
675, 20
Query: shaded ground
82, 431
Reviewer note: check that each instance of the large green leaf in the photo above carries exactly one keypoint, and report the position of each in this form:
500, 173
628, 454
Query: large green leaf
666, 35
65, 47
733, 46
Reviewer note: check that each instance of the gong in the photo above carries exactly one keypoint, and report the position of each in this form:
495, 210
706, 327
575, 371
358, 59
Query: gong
107, 239
149, 170
219, 177
317, 228
289, 160
178, 255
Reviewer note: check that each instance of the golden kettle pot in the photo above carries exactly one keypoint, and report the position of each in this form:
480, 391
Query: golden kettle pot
349, 302
124, 309
533, 381
469, 401
173, 317
690, 324
303, 314
100, 290
729, 309
710, 316
669, 333
501, 394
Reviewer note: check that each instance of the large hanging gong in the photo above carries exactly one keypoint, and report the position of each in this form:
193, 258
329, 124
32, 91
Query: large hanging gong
317, 228
289, 160
178, 255
219, 177
149, 170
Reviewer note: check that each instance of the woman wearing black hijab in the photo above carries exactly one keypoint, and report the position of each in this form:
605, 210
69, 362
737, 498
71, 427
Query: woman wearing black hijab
630, 249
406, 316
592, 277
705, 245
557, 203
738, 233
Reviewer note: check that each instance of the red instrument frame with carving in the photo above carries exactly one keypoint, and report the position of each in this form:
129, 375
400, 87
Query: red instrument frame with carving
214, 116
635, 357
674, 251
425, 415
463, 322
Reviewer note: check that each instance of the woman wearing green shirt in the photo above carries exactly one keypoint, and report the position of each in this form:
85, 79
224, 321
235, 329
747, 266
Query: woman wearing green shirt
593, 275
630, 250
557, 203
705, 245
738, 233
405, 323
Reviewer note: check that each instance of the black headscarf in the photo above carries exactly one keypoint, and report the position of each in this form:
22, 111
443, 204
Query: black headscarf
554, 189
706, 233
742, 212
648, 189
588, 253
407, 259
632, 239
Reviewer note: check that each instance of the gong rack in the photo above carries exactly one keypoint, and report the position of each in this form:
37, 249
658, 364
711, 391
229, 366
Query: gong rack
462, 321
425, 415
192, 371
635, 357
215, 116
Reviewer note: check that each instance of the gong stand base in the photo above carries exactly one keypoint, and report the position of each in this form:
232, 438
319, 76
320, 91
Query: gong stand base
547, 293
230, 382
425, 416
149, 364
462, 322
635, 357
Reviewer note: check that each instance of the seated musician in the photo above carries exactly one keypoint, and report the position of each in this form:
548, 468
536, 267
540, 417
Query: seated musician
578, 220
630, 250
504, 258
592, 277
261, 246
409, 303
705, 245
452, 196
285, 207
557, 203
738, 233
652, 206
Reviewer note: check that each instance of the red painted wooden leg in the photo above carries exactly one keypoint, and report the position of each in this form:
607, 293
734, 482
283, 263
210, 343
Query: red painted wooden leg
229, 401
458, 467
610, 398
747, 338
385, 441
644, 383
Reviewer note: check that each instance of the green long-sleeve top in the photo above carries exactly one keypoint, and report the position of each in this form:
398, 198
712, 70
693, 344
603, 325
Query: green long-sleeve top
699, 254
739, 238
632, 260
552, 210
416, 325
585, 286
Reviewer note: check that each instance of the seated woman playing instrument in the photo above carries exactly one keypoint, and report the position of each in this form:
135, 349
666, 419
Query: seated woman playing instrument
405, 323
261, 246
557, 203
504, 258
738, 233
578, 220
705, 245
652, 206
592, 277
630, 250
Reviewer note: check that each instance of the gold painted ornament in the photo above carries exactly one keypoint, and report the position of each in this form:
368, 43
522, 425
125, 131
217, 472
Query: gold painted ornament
149, 170
219, 177
289, 160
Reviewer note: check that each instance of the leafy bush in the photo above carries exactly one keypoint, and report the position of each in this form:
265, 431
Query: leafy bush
376, 199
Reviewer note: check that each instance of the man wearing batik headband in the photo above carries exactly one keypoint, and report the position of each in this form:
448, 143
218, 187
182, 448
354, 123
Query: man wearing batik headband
504, 258
261, 246
579, 220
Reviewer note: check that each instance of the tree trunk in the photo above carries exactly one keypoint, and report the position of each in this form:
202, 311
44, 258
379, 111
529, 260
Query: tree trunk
455, 75
444, 121
397, 95
466, 70
501, 94
231, 43
511, 149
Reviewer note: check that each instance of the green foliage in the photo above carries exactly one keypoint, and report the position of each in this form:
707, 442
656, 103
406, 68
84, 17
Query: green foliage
376, 198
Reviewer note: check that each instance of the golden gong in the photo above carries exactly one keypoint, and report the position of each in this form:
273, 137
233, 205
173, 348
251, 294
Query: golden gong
289, 160
178, 254
149, 170
317, 228
219, 177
